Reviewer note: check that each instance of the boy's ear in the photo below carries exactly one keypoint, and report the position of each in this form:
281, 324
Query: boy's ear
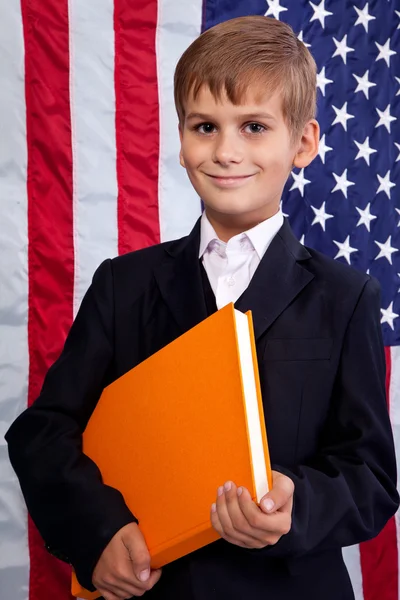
308, 145
181, 159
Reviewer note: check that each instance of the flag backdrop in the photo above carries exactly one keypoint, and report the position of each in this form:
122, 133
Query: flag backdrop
89, 169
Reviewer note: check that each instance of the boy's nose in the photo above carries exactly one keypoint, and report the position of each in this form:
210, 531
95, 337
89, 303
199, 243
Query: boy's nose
227, 150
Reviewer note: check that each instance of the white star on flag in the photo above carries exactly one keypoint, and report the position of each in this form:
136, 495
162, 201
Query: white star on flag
363, 84
342, 183
299, 182
302, 239
320, 13
342, 49
300, 37
398, 14
322, 81
364, 150
385, 184
386, 249
388, 316
323, 149
274, 8
398, 148
363, 17
342, 116
385, 118
384, 52
365, 216
321, 216
398, 211
345, 249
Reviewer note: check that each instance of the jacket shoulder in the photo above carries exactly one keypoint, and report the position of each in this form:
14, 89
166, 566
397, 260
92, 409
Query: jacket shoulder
146, 258
338, 276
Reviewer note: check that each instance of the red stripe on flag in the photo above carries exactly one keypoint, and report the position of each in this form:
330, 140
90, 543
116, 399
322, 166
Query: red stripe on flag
50, 252
137, 123
379, 557
388, 358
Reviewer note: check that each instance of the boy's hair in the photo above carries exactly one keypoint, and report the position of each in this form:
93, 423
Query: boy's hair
250, 51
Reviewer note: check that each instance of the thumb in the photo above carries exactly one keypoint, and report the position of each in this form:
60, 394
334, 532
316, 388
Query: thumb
138, 552
281, 492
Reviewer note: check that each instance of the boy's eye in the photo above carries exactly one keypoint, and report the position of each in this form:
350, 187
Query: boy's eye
207, 128
256, 127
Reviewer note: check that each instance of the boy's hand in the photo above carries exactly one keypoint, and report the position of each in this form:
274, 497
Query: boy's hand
123, 569
241, 521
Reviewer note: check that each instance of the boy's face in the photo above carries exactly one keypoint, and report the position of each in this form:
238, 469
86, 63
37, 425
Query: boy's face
238, 158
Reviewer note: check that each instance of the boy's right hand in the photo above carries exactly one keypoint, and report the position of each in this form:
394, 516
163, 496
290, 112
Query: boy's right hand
123, 569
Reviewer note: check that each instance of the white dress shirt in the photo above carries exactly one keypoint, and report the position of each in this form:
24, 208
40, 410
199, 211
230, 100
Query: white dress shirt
231, 265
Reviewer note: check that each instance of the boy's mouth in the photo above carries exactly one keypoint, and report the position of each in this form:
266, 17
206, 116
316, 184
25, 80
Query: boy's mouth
230, 181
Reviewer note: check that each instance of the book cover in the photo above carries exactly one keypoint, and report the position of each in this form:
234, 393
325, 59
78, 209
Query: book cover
174, 428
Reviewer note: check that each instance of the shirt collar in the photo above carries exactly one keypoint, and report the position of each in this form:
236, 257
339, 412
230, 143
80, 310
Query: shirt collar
260, 236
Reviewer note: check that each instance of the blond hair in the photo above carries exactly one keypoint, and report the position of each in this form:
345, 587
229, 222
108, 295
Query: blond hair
257, 51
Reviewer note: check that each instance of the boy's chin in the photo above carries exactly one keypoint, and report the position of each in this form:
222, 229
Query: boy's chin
229, 208
239, 212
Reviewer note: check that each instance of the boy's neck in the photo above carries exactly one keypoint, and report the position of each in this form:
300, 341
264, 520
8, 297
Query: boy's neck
227, 226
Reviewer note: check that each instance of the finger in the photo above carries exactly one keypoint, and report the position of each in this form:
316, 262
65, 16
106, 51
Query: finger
108, 595
236, 516
270, 527
127, 591
124, 588
109, 592
121, 583
257, 520
238, 519
227, 529
218, 527
150, 583
138, 554
114, 587
281, 493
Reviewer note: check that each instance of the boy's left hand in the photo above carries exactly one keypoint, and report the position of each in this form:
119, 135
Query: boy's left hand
241, 521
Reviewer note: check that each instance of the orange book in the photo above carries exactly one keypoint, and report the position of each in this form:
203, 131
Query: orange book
178, 425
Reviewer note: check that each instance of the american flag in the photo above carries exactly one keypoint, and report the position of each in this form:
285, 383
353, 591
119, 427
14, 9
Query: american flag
89, 169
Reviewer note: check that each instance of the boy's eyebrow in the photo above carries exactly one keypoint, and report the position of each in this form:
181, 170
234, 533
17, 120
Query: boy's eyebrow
247, 117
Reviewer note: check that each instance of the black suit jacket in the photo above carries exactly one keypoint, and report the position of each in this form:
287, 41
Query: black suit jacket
322, 370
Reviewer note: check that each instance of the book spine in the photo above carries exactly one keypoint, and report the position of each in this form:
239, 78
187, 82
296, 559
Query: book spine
259, 400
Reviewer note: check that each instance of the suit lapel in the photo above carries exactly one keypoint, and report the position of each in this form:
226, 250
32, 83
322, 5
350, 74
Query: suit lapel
179, 280
279, 278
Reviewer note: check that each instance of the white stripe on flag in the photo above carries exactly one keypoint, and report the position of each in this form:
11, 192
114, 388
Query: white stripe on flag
394, 399
179, 23
351, 556
92, 95
14, 356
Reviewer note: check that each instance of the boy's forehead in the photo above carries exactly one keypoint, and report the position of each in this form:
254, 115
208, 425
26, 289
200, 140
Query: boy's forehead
254, 99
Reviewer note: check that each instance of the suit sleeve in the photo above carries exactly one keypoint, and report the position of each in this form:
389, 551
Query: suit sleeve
347, 492
74, 511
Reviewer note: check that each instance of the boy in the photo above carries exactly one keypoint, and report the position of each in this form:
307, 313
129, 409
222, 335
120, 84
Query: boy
245, 96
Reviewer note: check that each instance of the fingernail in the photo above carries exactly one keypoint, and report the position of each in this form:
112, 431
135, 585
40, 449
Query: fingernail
268, 504
144, 575
213, 507
220, 490
239, 491
227, 486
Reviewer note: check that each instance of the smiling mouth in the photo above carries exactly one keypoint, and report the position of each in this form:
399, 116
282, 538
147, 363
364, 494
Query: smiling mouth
229, 182
223, 177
